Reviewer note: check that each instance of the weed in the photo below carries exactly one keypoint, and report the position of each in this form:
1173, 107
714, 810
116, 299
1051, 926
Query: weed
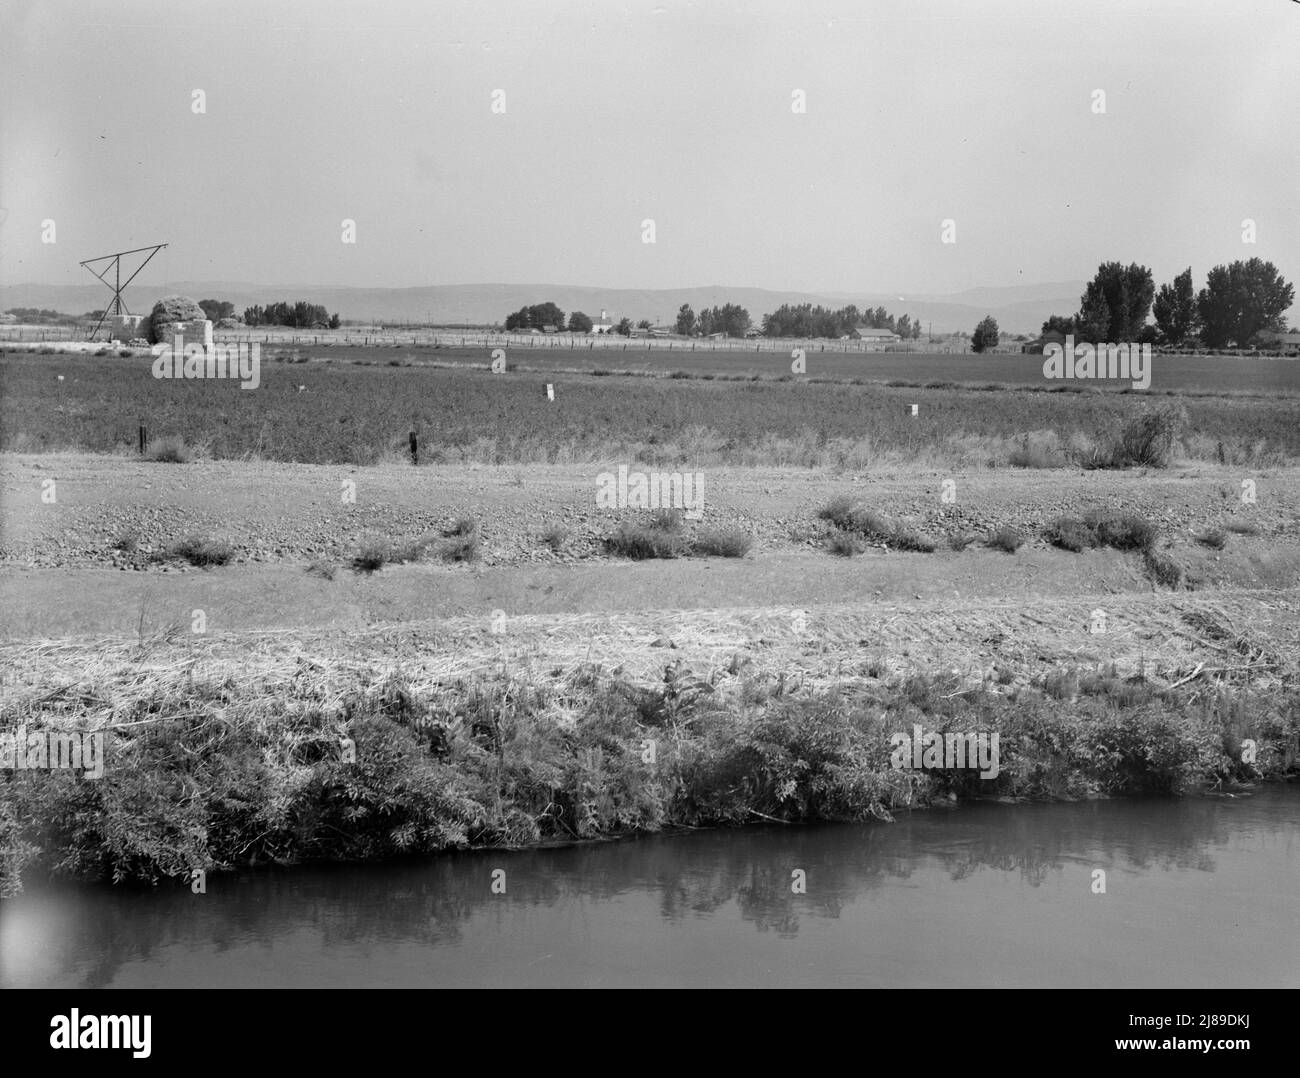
169, 450
200, 551
1006, 538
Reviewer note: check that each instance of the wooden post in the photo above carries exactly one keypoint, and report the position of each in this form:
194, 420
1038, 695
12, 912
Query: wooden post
415, 449
143, 438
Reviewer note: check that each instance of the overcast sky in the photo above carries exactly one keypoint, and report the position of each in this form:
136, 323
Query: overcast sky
616, 112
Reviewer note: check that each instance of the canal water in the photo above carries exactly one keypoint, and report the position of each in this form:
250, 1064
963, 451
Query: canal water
1198, 892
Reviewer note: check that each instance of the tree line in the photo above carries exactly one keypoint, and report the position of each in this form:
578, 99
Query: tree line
805, 320
299, 315
1240, 301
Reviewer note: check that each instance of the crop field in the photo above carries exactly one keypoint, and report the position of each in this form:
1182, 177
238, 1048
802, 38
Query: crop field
1170, 374
350, 408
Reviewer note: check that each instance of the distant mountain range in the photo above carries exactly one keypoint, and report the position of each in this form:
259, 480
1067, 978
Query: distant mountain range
1017, 308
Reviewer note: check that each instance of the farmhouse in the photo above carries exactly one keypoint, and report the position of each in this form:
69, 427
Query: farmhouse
1286, 343
1035, 347
871, 333
603, 324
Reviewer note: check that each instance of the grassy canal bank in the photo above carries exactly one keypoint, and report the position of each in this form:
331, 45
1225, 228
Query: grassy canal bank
218, 767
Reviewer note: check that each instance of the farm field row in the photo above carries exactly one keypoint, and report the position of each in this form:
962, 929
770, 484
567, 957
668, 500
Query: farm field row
346, 409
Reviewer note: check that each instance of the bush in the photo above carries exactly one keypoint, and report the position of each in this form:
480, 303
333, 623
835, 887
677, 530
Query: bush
641, 541
666, 520
370, 557
200, 551
1124, 531
1215, 539
903, 539
1163, 569
1006, 538
169, 450
1148, 440
1238, 527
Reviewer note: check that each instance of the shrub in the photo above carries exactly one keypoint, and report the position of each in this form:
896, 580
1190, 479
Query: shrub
1163, 569
1240, 527
1123, 531
459, 547
1148, 440
169, 450
1215, 539
723, 543
320, 567
370, 557
127, 542
640, 541
1006, 538
961, 541
666, 520
200, 551
903, 539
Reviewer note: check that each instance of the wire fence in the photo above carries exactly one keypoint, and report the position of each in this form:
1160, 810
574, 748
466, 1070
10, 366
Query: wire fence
382, 337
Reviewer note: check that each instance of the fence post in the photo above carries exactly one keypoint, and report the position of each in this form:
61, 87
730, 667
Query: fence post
143, 438
415, 449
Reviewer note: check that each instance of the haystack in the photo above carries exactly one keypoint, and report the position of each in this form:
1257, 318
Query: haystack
170, 310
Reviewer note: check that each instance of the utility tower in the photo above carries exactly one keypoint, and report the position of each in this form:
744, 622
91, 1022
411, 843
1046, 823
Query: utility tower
117, 284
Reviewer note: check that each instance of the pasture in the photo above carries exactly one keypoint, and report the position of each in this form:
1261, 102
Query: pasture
349, 409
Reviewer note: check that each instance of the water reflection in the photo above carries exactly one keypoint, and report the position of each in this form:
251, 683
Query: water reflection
661, 891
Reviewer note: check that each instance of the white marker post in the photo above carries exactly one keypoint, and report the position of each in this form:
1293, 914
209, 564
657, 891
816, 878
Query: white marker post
550, 391
914, 408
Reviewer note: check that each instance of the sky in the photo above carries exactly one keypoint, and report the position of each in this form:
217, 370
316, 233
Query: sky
611, 114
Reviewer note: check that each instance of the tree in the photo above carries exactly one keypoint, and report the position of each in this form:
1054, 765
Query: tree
1092, 323
685, 320
624, 327
217, 309
1241, 299
986, 334
335, 321
579, 323
731, 319
1127, 292
1175, 309
546, 314
643, 324
1059, 323
535, 317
